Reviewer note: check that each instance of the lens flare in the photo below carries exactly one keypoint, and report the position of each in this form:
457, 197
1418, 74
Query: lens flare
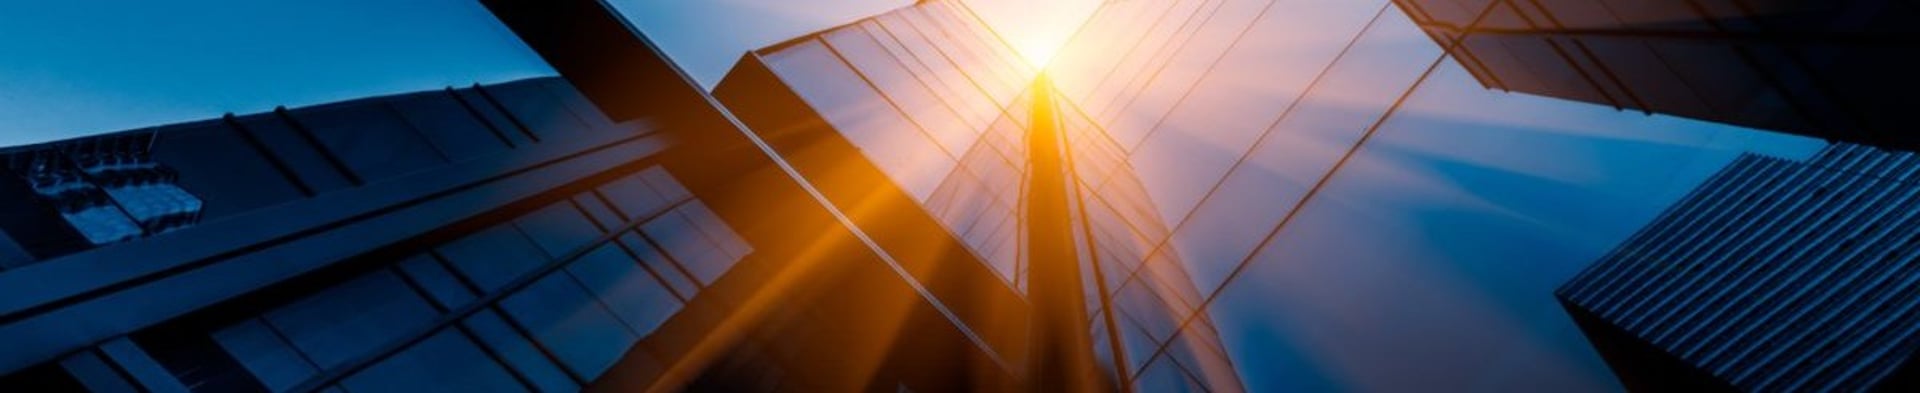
1037, 52
1035, 29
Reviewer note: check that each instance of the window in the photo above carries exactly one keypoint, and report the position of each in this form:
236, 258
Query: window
445, 362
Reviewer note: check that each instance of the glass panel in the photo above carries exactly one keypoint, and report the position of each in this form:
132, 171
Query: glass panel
441, 286
1197, 349
603, 216
983, 72
1136, 342
716, 230
629, 292
539, 110
494, 256
306, 160
1086, 60
1167, 71
1155, 36
947, 70
222, 169
975, 114
348, 321
447, 362
451, 128
1224, 93
660, 265
1424, 259
664, 184
570, 323
632, 197
371, 139
1351, 96
514, 349
903, 90
558, 229
863, 117
690, 245
1166, 376
273, 362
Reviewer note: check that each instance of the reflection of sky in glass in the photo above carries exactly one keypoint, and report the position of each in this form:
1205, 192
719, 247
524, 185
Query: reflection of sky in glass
1424, 260
929, 96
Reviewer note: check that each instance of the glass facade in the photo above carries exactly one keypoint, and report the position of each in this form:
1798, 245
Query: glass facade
1820, 69
547, 300
1775, 274
1194, 195
937, 103
1355, 209
547, 234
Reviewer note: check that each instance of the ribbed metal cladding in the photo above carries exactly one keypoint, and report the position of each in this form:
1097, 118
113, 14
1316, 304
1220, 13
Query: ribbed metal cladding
1776, 275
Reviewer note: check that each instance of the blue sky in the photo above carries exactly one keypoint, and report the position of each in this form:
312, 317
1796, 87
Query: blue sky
75, 68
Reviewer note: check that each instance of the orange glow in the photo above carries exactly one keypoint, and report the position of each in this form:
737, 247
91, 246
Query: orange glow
1036, 52
1036, 29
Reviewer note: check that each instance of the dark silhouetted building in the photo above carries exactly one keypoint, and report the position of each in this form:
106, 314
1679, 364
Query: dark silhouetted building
611, 228
1776, 275
1833, 69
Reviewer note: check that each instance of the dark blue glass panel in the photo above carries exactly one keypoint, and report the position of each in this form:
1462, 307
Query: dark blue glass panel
493, 257
601, 214
1165, 376
571, 323
632, 197
445, 362
442, 286
627, 290
658, 262
558, 228
306, 160
221, 168
373, 141
350, 320
449, 126
683, 240
272, 361
519, 353
539, 110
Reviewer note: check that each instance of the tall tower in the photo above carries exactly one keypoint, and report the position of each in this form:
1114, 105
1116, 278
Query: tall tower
1774, 275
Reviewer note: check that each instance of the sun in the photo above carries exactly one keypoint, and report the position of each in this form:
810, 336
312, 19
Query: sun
1037, 29
1037, 52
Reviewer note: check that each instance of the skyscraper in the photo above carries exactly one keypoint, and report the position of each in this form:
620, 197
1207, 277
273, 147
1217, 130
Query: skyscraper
604, 229
1776, 274
1195, 195
929, 100
1826, 69
1353, 209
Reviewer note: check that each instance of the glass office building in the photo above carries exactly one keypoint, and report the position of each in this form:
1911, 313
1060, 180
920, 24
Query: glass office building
925, 93
1817, 68
591, 230
1356, 209
931, 99
1194, 195
1776, 275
